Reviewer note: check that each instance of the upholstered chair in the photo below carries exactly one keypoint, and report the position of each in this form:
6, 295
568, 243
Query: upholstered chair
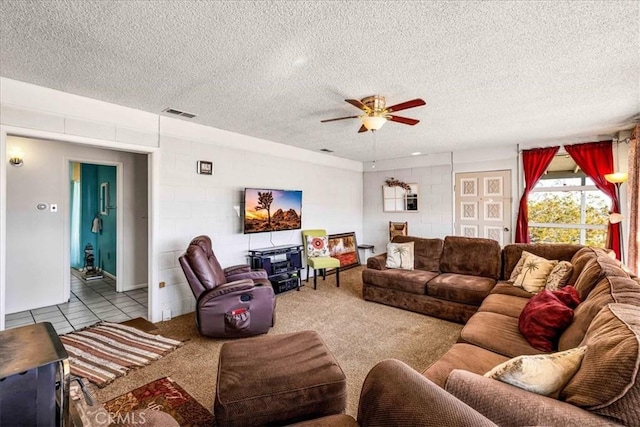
232, 302
316, 252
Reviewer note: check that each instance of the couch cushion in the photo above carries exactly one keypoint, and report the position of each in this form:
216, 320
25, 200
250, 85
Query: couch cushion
607, 382
460, 287
610, 289
545, 317
471, 255
506, 288
509, 305
555, 251
463, 356
581, 258
593, 271
498, 333
543, 374
426, 252
412, 281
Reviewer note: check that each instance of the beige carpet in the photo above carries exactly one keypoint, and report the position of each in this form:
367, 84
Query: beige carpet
359, 333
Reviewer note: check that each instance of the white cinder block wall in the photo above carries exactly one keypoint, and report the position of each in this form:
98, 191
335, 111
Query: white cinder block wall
184, 204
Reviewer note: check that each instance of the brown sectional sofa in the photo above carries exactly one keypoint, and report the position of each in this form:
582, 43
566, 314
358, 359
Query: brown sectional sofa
604, 391
450, 279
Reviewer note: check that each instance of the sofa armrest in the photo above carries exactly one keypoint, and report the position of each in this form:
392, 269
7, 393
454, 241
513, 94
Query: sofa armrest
505, 404
227, 288
377, 262
394, 394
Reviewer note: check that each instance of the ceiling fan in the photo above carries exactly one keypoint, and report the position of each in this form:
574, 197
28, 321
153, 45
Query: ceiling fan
376, 113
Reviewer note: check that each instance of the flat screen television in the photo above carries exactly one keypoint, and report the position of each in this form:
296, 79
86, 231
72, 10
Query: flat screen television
272, 210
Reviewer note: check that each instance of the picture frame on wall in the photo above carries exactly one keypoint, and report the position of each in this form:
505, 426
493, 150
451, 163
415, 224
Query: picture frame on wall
205, 167
344, 247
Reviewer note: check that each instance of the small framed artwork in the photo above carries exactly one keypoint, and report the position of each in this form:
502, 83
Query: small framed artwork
205, 168
344, 247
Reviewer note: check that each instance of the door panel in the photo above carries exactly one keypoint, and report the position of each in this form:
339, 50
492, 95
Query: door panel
483, 205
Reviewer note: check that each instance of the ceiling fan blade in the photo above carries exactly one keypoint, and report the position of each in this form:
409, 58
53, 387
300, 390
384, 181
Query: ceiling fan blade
408, 104
358, 104
403, 120
339, 118
362, 129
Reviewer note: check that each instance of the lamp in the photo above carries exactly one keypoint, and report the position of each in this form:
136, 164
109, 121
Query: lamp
15, 157
617, 179
373, 122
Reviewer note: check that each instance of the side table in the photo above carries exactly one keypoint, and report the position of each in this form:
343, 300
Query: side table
365, 248
33, 362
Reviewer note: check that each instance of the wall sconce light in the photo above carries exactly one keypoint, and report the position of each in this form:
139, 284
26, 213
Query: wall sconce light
15, 157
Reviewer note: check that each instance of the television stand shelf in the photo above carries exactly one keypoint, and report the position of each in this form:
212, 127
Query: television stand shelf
282, 264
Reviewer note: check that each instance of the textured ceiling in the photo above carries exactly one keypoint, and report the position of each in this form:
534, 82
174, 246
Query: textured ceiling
492, 73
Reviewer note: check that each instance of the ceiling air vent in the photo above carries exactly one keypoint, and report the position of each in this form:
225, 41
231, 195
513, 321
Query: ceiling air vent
178, 113
326, 150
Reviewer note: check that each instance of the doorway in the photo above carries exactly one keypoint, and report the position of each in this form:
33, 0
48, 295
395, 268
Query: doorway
93, 221
483, 205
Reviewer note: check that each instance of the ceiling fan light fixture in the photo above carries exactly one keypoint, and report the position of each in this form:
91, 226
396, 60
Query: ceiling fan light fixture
373, 122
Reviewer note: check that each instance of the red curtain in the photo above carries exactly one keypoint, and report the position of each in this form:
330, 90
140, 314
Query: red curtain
534, 162
596, 160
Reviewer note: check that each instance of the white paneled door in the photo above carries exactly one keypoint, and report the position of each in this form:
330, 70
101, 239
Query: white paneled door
483, 205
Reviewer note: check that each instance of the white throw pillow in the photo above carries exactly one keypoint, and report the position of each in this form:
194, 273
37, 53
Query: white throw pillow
400, 255
317, 246
544, 374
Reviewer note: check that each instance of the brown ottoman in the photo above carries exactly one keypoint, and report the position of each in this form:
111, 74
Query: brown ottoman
277, 380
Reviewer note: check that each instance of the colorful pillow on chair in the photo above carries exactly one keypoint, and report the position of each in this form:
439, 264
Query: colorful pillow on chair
317, 246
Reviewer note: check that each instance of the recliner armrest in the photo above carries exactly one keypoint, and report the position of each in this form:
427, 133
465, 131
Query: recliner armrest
235, 269
505, 404
227, 288
394, 394
377, 262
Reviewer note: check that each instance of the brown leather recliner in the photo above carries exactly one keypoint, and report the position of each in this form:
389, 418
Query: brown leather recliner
231, 302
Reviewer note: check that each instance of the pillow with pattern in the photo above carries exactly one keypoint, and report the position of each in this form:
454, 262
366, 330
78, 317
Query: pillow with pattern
317, 246
559, 276
400, 255
544, 374
534, 273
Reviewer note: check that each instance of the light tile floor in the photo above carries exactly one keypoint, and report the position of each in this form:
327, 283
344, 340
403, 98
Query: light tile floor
90, 302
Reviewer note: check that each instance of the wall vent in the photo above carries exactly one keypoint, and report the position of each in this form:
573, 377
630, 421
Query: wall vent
178, 113
326, 150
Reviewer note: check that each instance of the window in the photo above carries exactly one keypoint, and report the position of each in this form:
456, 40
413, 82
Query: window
566, 207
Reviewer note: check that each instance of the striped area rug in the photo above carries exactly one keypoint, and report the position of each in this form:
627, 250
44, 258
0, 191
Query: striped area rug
106, 351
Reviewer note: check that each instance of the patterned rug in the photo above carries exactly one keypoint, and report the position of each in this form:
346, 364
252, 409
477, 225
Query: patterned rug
106, 351
141, 406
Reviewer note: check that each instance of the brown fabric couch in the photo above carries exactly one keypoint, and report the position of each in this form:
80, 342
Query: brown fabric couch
606, 388
604, 391
450, 279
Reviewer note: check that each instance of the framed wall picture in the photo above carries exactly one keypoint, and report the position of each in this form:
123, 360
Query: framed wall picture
344, 247
205, 167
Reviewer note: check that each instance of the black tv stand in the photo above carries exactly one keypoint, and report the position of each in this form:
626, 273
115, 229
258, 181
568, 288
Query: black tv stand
282, 264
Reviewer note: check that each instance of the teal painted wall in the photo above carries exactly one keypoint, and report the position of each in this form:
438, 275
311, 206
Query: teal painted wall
104, 243
89, 201
106, 247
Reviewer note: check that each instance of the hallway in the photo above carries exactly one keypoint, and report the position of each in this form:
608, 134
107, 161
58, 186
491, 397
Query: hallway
90, 302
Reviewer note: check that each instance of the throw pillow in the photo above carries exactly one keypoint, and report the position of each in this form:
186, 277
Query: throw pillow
400, 255
518, 268
543, 319
544, 374
559, 276
317, 246
533, 276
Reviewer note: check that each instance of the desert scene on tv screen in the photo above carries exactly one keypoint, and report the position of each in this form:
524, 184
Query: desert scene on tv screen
272, 210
